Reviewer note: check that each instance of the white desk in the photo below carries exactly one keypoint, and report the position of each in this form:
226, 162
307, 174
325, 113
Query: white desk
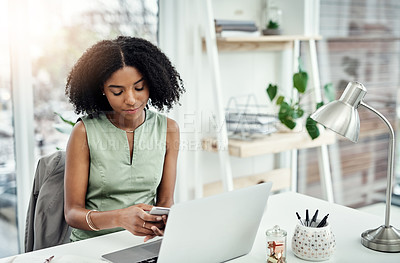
347, 224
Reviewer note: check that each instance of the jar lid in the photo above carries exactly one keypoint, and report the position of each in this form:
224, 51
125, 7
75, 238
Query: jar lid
276, 231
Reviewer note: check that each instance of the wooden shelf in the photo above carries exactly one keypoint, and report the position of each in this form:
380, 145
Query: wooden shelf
273, 143
262, 43
280, 179
213, 46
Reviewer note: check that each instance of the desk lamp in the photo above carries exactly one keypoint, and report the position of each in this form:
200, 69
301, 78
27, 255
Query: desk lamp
341, 116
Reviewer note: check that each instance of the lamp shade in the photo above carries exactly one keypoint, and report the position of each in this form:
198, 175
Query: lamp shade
341, 115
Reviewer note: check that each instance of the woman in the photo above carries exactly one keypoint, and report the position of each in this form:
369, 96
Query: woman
121, 157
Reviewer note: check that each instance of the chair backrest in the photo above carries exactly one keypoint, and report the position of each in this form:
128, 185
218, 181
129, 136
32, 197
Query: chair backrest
45, 221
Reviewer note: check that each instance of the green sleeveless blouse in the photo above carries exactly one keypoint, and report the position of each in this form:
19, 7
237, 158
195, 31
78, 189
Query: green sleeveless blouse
115, 182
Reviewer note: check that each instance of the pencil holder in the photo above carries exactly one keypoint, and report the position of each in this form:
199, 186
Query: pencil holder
313, 243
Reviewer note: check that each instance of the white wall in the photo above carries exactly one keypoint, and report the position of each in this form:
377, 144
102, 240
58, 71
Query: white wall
299, 17
240, 10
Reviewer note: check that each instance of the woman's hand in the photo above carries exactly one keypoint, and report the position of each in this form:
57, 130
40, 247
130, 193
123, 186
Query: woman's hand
136, 220
157, 231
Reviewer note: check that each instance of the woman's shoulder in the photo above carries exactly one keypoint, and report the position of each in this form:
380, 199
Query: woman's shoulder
168, 124
173, 135
172, 125
162, 117
91, 117
154, 114
86, 121
156, 117
78, 131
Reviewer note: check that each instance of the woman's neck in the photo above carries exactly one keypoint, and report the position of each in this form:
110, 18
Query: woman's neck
126, 124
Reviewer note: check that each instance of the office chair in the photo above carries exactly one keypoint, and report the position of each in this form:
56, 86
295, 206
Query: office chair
45, 222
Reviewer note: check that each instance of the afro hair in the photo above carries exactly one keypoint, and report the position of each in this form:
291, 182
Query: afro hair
86, 80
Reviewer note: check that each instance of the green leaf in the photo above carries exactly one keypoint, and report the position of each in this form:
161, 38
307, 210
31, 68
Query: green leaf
300, 80
329, 92
289, 123
284, 111
64, 120
298, 113
285, 115
272, 90
319, 105
312, 128
280, 100
272, 25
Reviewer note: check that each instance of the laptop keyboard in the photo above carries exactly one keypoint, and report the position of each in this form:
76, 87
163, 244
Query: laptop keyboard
149, 260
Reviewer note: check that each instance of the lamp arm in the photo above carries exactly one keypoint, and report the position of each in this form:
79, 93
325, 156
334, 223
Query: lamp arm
390, 171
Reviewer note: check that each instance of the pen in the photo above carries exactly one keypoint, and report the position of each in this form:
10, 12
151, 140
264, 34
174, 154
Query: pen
307, 218
298, 217
323, 221
48, 259
314, 218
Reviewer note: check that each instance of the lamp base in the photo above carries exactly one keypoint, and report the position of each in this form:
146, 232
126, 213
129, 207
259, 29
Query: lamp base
384, 239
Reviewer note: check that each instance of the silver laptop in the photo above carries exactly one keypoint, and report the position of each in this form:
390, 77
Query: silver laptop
212, 229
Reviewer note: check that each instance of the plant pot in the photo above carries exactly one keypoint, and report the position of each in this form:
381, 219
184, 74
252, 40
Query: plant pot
267, 32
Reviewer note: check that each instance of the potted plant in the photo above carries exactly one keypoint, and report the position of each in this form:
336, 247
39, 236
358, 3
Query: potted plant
272, 28
291, 111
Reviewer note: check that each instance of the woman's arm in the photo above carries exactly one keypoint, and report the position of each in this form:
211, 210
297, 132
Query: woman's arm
75, 186
165, 191
76, 177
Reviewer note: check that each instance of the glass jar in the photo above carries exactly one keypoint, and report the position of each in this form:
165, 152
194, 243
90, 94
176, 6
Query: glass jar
273, 20
276, 245
274, 15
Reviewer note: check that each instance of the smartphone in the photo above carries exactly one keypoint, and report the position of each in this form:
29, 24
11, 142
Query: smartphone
157, 210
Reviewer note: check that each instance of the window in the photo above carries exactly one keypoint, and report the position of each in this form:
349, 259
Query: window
8, 199
361, 43
59, 37
59, 32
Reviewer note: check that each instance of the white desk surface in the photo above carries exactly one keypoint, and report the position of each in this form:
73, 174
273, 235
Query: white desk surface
347, 224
